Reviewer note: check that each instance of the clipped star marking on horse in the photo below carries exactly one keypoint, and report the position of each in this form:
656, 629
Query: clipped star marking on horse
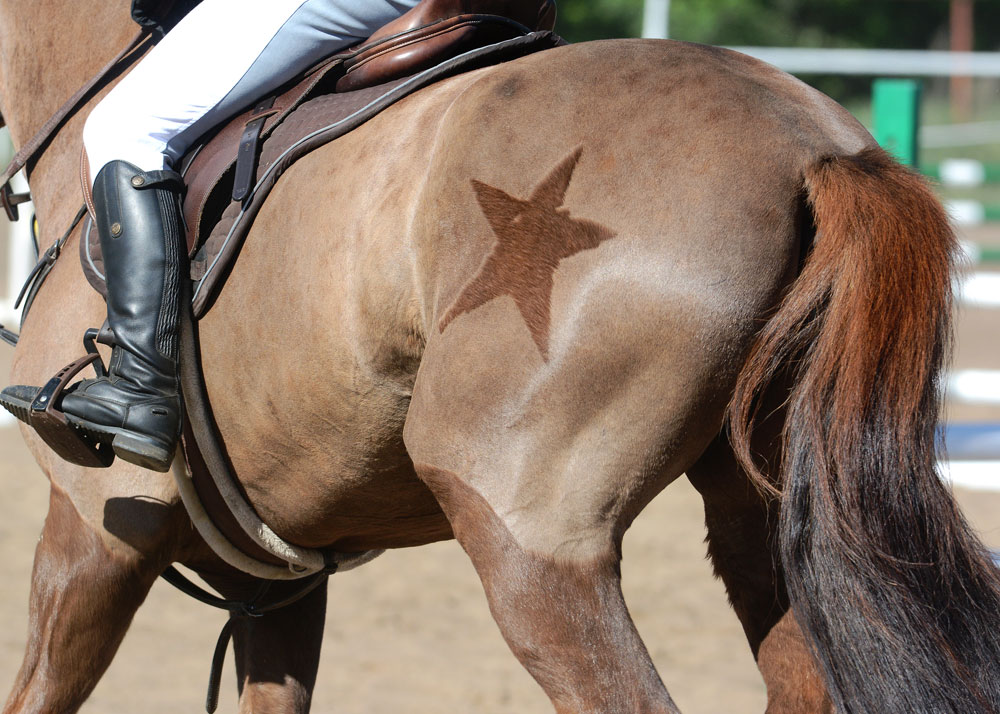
533, 237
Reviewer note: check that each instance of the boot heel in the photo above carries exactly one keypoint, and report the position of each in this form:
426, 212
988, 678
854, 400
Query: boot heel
142, 451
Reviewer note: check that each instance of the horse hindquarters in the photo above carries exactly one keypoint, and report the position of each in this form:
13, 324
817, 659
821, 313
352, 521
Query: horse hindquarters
544, 420
897, 597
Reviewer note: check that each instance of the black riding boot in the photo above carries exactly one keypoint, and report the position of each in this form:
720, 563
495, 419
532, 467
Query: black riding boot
137, 407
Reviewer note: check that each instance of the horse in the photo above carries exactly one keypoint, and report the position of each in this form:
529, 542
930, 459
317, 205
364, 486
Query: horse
510, 310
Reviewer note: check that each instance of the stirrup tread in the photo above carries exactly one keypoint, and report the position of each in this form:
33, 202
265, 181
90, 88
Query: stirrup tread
20, 409
51, 424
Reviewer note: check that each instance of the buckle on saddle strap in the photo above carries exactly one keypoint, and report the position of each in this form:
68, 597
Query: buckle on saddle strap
51, 424
11, 201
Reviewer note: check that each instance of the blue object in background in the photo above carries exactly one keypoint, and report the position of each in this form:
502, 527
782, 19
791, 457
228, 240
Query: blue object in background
972, 442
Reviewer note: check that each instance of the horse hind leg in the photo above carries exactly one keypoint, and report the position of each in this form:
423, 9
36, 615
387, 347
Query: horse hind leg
565, 620
540, 477
742, 531
277, 653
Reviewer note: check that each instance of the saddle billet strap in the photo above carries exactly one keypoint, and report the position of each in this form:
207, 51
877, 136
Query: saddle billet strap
215, 163
30, 152
246, 157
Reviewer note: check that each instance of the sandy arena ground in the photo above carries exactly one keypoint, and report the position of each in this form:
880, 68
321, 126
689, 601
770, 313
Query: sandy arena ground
411, 632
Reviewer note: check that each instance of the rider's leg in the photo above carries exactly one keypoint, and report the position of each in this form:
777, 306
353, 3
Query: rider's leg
218, 60
137, 406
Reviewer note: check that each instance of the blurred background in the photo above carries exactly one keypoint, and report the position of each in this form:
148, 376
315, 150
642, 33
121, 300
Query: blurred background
411, 632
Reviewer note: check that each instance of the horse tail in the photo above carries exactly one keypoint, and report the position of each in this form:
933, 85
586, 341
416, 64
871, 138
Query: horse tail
899, 601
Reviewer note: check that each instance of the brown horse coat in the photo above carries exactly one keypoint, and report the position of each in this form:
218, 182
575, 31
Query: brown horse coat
511, 309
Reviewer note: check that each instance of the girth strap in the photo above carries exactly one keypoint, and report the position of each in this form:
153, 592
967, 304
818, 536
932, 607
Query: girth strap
238, 609
246, 158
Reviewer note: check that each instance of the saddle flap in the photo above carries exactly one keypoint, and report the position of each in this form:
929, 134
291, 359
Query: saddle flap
206, 171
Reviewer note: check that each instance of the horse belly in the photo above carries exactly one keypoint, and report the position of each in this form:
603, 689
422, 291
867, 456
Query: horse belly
327, 353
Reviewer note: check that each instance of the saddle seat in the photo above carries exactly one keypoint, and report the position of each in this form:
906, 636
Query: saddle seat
437, 30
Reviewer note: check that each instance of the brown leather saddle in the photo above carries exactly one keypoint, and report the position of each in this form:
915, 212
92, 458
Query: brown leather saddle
229, 174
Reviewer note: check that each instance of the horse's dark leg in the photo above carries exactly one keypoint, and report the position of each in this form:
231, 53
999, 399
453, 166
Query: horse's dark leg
277, 654
84, 591
794, 685
741, 530
564, 618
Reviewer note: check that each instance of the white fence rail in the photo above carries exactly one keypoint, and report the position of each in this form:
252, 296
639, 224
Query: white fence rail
880, 63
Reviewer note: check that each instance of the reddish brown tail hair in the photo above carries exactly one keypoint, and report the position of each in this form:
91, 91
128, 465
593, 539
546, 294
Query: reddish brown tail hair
900, 602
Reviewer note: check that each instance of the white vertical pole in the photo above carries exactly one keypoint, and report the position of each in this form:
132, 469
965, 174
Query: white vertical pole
656, 19
19, 256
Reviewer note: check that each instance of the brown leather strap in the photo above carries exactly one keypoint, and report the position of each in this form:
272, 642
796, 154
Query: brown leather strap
204, 173
246, 158
214, 503
39, 141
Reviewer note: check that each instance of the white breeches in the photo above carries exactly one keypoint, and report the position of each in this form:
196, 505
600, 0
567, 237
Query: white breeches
221, 58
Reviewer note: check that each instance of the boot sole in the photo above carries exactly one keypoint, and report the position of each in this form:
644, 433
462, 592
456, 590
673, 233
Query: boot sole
18, 407
128, 445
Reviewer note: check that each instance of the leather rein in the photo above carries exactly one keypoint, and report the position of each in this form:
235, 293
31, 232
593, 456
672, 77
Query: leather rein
31, 151
28, 155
